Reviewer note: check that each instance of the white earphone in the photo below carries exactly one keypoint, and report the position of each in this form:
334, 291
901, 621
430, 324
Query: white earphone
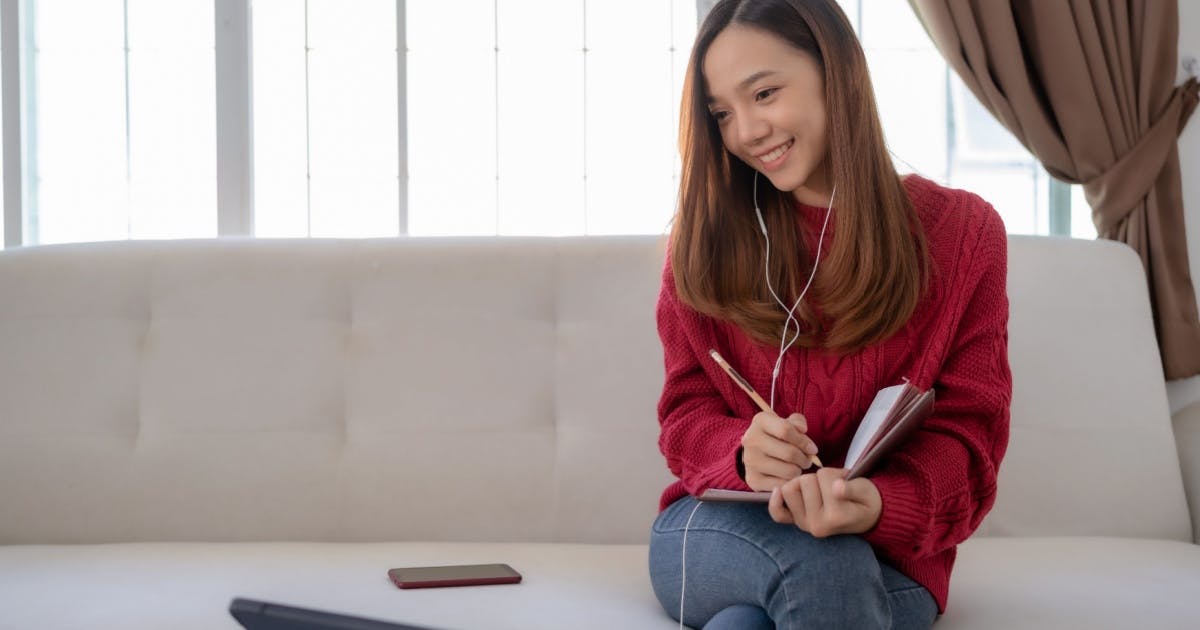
784, 344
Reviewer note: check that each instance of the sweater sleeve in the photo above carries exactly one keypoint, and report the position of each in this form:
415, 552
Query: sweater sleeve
699, 437
937, 488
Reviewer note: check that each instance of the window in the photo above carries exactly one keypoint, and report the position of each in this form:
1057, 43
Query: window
936, 127
326, 159
421, 117
120, 121
513, 127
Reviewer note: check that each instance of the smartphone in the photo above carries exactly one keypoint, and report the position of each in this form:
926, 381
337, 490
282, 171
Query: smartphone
459, 575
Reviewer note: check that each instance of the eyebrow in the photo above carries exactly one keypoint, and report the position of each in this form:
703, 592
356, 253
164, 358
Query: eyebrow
748, 81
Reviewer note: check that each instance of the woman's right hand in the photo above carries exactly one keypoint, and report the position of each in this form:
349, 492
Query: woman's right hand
775, 450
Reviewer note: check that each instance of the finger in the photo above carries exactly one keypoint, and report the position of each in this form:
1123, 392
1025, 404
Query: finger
829, 475
808, 445
780, 429
793, 499
767, 455
793, 446
786, 452
764, 416
857, 490
833, 510
765, 483
761, 423
813, 501
804, 444
774, 467
833, 483
779, 512
847, 490
786, 430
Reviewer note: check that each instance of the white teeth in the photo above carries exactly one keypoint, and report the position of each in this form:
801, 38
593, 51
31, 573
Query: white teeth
774, 155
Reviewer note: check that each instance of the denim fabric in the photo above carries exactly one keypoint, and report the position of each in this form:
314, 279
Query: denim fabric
746, 571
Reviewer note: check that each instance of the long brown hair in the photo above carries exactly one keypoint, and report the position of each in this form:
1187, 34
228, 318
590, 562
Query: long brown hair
869, 283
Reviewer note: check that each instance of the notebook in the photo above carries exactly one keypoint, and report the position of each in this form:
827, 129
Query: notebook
895, 413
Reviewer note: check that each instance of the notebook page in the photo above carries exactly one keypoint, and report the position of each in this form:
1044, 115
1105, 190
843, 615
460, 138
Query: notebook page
876, 416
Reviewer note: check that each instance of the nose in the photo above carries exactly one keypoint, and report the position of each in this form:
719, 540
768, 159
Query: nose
752, 129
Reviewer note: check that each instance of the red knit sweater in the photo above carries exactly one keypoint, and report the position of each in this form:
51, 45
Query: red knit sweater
937, 488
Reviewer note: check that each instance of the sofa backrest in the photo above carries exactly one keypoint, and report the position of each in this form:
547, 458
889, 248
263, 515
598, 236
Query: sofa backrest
390, 389
472, 389
1091, 449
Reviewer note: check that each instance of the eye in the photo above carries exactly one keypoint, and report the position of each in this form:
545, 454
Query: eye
719, 115
762, 94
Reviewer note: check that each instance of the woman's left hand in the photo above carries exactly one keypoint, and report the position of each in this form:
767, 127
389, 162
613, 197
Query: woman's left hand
825, 504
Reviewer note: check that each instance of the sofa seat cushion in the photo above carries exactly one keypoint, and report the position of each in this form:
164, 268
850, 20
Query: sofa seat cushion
999, 583
190, 585
1074, 582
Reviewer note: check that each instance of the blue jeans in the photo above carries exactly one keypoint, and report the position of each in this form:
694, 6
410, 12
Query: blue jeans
746, 571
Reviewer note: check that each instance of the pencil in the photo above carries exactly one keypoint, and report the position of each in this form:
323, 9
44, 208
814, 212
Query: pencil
742, 383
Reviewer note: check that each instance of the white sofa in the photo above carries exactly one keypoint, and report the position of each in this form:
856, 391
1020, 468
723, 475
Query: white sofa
186, 422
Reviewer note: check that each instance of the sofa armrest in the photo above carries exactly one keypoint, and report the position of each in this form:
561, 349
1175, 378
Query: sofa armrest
1187, 438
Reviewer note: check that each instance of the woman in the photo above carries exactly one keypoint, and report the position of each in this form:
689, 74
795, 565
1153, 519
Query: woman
822, 276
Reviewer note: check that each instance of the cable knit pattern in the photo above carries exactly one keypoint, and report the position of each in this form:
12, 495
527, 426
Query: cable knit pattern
938, 487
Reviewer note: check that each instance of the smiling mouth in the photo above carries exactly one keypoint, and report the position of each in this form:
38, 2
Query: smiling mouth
777, 153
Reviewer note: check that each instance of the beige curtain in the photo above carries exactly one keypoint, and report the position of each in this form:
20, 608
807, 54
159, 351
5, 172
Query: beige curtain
1088, 86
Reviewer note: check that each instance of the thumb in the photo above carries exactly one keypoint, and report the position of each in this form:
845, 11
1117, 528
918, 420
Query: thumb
799, 421
848, 491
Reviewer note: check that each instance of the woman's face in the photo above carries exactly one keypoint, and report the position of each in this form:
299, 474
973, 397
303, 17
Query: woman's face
768, 99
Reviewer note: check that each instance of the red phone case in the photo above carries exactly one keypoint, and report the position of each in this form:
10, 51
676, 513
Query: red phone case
461, 575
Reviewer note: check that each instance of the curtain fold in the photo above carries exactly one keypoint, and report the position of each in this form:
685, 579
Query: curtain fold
1088, 86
